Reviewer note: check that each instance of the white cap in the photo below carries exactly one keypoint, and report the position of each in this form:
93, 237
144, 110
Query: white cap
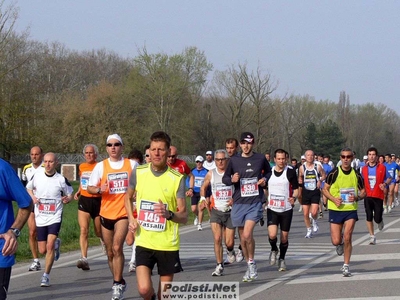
303, 157
209, 152
365, 157
199, 158
114, 137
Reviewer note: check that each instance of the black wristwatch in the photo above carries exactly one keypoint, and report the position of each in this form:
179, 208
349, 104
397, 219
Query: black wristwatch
16, 231
171, 215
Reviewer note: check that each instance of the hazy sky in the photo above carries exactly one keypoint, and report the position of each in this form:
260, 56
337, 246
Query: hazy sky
311, 47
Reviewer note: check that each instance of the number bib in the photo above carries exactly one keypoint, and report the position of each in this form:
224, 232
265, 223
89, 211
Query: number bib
85, 179
310, 184
223, 194
372, 181
345, 193
276, 202
149, 220
47, 206
118, 182
198, 181
391, 173
249, 187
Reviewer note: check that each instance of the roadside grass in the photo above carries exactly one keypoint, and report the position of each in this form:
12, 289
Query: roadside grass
69, 233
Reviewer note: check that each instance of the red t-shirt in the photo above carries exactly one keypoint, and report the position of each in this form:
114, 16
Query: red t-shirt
181, 166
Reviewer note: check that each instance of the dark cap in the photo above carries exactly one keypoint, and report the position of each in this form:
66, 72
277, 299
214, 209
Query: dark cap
247, 136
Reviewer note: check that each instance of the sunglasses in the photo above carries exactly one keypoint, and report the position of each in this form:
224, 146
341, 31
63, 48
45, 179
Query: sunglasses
198, 162
147, 155
220, 159
346, 156
171, 156
115, 145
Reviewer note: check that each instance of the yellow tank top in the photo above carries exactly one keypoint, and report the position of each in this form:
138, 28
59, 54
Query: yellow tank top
155, 232
343, 187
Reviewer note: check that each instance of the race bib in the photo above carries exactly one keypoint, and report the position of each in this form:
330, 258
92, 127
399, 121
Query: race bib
276, 202
223, 194
47, 206
310, 184
372, 181
85, 179
249, 187
118, 182
345, 193
148, 219
198, 181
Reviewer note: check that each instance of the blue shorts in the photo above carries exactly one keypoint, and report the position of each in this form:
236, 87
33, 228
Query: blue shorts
240, 213
339, 217
43, 232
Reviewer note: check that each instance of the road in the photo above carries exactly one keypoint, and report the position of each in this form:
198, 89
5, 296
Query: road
313, 267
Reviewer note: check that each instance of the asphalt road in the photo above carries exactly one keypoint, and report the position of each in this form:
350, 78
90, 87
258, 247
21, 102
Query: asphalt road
313, 267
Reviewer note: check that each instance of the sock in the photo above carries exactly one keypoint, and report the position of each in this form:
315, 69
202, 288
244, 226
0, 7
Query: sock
273, 243
251, 261
36, 259
133, 257
283, 249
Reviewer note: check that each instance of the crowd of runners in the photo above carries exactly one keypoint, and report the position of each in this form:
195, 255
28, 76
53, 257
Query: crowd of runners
140, 200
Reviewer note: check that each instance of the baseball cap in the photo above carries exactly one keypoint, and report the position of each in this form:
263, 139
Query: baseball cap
247, 136
199, 158
209, 152
365, 157
303, 157
115, 137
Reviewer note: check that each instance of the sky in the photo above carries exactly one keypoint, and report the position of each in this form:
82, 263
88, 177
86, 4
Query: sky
318, 48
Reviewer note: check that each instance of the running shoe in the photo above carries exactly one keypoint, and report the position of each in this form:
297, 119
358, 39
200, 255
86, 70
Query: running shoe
385, 210
117, 291
372, 240
272, 257
309, 233
315, 227
346, 271
389, 209
45, 282
321, 215
199, 228
239, 256
57, 246
301, 208
396, 202
103, 247
381, 225
219, 270
340, 249
83, 264
132, 266
246, 277
253, 270
281, 265
262, 222
35, 266
230, 257
196, 222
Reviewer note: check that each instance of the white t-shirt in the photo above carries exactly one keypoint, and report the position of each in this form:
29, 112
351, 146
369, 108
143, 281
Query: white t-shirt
209, 165
49, 190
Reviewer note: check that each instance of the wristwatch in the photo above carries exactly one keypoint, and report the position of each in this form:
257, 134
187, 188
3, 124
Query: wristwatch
171, 215
16, 231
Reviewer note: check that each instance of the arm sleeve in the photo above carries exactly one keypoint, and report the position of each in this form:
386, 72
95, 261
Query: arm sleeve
292, 178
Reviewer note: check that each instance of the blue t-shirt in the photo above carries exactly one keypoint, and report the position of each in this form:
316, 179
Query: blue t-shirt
391, 168
199, 176
11, 189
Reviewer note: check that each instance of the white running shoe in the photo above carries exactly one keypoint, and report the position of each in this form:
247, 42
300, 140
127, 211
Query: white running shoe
132, 266
272, 257
45, 281
196, 222
230, 257
117, 292
239, 256
35, 266
346, 271
219, 270
281, 265
372, 240
396, 202
315, 227
199, 228
385, 210
309, 233
301, 208
253, 270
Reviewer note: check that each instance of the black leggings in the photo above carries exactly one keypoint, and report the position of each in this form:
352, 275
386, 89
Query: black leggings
373, 209
5, 274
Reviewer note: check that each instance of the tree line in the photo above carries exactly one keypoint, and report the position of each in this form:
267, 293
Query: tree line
61, 99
